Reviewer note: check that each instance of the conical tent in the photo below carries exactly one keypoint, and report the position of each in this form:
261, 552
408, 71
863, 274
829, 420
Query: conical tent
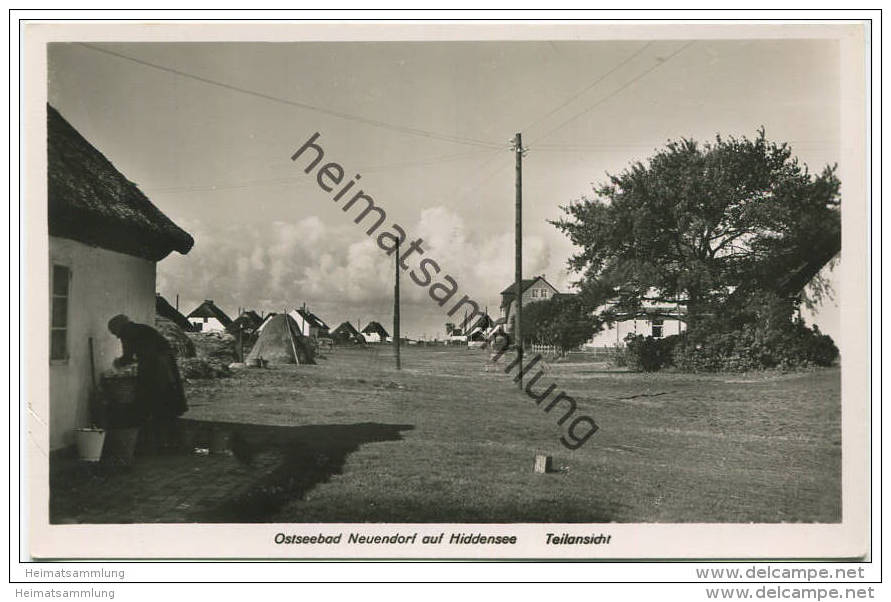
280, 342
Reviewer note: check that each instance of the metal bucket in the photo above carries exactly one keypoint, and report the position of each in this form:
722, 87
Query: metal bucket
89, 443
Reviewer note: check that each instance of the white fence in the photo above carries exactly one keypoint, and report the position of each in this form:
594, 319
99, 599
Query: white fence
548, 350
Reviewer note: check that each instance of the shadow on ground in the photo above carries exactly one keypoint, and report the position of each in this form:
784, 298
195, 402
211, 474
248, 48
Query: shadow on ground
223, 472
309, 455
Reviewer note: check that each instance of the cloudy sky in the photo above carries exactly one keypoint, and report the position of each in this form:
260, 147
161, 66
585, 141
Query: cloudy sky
209, 136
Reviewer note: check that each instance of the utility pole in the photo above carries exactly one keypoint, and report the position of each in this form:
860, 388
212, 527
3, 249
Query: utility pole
518, 276
396, 309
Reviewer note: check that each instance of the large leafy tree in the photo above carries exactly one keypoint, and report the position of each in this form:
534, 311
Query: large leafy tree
707, 224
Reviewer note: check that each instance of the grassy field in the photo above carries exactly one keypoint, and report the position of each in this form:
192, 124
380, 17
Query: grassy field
446, 440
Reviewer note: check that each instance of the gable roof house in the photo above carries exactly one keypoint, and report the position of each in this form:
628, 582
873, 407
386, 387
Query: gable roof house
247, 322
207, 317
310, 324
165, 310
375, 333
482, 326
105, 239
346, 333
533, 289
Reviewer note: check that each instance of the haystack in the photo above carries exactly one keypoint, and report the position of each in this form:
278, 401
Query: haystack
181, 345
218, 346
280, 342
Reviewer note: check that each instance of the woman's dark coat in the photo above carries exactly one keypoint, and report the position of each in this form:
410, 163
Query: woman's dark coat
159, 388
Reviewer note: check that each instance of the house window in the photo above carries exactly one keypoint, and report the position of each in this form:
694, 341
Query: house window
657, 328
59, 308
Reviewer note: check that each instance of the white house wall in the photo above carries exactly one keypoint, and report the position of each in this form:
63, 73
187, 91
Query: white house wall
615, 334
103, 284
207, 324
305, 328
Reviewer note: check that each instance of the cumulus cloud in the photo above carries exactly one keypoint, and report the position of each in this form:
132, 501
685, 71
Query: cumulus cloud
343, 274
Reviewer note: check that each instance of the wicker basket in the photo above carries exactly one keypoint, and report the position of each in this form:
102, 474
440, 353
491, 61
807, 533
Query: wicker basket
120, 390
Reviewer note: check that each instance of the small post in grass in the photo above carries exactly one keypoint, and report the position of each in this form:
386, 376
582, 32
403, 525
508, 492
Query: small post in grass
543, 464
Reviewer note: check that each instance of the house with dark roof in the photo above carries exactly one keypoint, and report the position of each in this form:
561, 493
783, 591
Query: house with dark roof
247, 322
207, 317
105, 239
165, 310
310, 324
375, 333
346, 334
475, 330
532, 290
478, 331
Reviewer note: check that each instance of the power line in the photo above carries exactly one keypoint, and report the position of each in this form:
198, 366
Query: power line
617, 90
292, 180
634, 55
432, 161
486, 176
301, 105
627, 60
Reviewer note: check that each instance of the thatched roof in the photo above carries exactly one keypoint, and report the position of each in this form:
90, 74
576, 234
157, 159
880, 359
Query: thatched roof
375, 327
311, 318
209, 310
248, 321
92, 202
165, 310
347, 332
346, 328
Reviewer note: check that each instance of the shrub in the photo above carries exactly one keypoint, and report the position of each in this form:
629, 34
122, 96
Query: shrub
617, 356
648, 354
754, 346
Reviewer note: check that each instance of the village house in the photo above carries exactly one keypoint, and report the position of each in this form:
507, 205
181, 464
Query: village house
207, 317
375, 333
474, 332
533, 290
310, 324
105, 239
346, 333
165, 310
247, 322
657, 320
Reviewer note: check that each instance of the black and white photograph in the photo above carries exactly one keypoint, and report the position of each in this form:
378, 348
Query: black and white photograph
412, 294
